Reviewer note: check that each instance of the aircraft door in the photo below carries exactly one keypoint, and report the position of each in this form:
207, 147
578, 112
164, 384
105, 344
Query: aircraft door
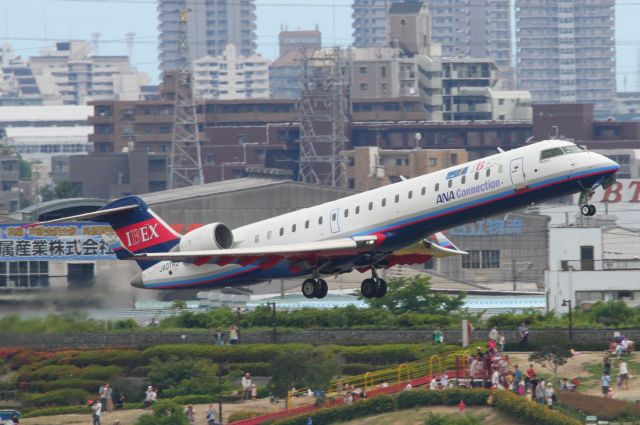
333, 219
516, 171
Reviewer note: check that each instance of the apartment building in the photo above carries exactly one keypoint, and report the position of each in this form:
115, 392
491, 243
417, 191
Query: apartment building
211, 26
286, 70
68, 74
566, 52
231, 76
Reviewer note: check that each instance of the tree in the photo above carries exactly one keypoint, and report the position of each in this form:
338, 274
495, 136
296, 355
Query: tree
552, 357
63, 190
303, 369
413, 294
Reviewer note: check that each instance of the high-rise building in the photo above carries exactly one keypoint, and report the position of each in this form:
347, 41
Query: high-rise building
566, 51
476, 28
231, 76
211, 26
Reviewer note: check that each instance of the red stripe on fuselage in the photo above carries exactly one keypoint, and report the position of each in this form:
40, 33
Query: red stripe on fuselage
144, 234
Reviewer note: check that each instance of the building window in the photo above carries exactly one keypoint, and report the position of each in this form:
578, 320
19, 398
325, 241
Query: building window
433, 162
363, 70
364, 87
472, 260
490, 259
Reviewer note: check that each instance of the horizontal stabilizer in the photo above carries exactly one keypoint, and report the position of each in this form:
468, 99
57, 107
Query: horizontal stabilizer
86, 216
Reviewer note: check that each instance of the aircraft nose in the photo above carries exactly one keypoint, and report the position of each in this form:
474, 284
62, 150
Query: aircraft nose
609, 163
137, 282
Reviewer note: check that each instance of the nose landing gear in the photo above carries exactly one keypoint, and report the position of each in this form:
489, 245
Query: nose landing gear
586, 208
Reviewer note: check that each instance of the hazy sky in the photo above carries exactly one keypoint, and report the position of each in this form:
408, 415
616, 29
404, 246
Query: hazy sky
32, 24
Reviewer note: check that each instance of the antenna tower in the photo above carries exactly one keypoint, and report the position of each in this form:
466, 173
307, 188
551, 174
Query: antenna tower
325, 109
185, 162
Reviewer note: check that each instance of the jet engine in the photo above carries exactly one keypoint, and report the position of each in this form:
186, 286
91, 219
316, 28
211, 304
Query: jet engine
211, 236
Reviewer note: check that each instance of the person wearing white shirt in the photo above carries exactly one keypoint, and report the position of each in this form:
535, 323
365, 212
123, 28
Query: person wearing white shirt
96, 412
433, 385
623, 372
444, 381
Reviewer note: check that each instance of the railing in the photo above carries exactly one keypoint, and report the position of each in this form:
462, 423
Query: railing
590, 265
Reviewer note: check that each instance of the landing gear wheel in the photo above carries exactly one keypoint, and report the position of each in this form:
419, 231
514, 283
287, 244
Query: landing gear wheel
369, 288
381, 288
585, 210
309, 288
592, 210
322, 289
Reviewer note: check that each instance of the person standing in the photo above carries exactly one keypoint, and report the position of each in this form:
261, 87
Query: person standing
96, 412
219, 336
211, 415
233, 334
605, 383
246, 386
438, 338
523, 331
148, 397
549, 395
461, 406
518, 374
623, 372
191, 415
607, 364
493, 334
539, 392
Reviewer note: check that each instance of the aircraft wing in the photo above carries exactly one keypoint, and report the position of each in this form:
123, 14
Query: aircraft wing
268, 254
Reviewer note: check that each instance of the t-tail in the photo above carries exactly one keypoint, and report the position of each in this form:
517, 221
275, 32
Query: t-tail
138, 228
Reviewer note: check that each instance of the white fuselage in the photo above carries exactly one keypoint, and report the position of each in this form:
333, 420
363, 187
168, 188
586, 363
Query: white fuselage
404, 212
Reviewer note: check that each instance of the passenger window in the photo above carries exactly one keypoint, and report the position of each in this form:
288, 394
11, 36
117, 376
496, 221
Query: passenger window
463, 179
346, 213
257, 239
488, 172
437, 187
320, 220
410, 194
550, 153
358, 209
269, 234
477, 175
293, 228
450, 183
370, 206
306, 224
423, 191
334, 216
397, 198
281, 231
383, 202
500, 168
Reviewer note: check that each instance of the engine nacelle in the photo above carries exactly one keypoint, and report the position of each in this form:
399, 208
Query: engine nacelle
211, 236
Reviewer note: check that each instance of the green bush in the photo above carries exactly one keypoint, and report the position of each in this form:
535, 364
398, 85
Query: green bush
233, 353
165, 412
254, 368
242, 414
127, 359
63, 397
603, 408
453, 419
530, 412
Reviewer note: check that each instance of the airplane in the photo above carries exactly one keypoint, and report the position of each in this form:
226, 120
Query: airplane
400, 223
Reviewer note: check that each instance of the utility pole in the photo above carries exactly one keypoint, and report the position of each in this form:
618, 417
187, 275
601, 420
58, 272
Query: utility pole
185, 162
513, 272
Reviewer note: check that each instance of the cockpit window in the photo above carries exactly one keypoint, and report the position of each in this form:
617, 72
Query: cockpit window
572, 149
550, 153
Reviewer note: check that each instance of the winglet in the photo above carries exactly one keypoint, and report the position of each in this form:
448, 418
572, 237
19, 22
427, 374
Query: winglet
442, 243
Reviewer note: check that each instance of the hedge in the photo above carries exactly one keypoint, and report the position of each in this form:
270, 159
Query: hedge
51, 411
89, 385
603, 408
242, 414
512, 405
56, 372
63, 397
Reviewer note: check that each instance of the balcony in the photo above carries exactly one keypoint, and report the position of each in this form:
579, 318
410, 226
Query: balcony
605, 265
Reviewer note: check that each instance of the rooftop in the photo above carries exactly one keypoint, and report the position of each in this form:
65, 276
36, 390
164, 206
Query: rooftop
12, 114
413, 7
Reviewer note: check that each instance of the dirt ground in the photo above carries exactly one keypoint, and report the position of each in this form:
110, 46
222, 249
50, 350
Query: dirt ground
128, 417
575, 367
418, 416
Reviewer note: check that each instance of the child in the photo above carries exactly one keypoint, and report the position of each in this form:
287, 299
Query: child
501, 341
461, 406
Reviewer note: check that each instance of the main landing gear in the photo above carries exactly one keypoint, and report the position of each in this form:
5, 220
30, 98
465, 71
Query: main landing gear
586, 208
375, 287
315, 288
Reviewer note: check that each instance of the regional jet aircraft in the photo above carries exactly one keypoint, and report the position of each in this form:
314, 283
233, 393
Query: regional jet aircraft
380, 228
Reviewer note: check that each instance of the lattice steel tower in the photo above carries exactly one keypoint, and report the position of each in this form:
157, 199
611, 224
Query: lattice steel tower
185, 162
325, 110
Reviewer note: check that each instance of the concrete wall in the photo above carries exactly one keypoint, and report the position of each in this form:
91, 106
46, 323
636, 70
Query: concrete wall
53, 342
